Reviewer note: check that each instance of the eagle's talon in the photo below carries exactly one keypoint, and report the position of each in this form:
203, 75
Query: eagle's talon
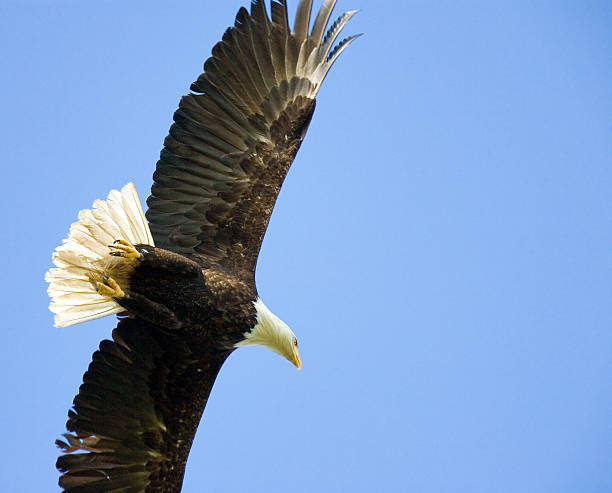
122, 248
109, 287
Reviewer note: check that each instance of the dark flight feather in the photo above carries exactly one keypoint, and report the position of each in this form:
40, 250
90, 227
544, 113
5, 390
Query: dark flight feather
325, 12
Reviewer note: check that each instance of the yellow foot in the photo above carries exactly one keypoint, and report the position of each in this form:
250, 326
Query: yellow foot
122, 248
109, 287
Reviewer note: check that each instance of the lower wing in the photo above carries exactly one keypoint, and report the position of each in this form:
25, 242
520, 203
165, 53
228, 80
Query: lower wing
137, 411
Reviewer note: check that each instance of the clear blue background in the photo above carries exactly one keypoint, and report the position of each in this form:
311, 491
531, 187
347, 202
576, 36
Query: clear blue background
442, 245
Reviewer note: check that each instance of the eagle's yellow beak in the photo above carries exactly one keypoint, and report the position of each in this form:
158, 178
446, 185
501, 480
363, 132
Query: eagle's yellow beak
295, 359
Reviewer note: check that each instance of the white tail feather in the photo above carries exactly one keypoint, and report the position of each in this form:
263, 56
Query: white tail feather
84, 257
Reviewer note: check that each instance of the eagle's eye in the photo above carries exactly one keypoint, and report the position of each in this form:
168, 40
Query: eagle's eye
295, 343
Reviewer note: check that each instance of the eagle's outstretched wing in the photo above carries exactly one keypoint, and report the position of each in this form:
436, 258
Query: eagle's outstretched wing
233, 140
137, 412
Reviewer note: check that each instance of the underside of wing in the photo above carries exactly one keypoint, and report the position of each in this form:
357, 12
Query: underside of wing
136, 413
234, 138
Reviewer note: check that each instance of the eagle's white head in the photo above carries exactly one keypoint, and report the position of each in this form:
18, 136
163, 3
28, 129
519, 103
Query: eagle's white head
271, 332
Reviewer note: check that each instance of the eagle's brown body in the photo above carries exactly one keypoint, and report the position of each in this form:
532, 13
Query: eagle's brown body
190, 299
209, 304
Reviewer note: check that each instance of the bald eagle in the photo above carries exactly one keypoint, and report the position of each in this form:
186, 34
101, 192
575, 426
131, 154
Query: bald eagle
182, 276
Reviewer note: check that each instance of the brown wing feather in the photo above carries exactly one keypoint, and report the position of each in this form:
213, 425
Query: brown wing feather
234, 138
136, 412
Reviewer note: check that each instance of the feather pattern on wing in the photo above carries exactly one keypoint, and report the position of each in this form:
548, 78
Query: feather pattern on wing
136, 412
234, 138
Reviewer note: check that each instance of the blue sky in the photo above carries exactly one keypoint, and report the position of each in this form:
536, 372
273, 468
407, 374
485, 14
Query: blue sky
441, 247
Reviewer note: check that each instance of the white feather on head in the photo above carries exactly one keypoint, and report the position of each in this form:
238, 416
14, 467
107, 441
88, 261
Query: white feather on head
271, 332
